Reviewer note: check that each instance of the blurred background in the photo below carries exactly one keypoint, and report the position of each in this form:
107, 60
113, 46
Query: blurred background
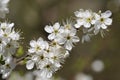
99, 58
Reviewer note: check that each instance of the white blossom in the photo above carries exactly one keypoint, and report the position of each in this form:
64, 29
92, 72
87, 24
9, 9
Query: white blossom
97, 66
67, 39
18, 76
48, 70
37, 46
3, 8
6, 68
52, 30
103, 21
84, 18
82, 76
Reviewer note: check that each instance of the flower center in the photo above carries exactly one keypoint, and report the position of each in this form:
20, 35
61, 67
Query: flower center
42, 57
55, 31
5, 35
8, 66
88, 19
67, 26
38, 48
68, 37
48, 66
8, 46
102, 19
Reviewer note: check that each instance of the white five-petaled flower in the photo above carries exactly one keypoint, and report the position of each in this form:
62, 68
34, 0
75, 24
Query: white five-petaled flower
84, 18
48, 70
103, 20
67, 39
37, 46
56, 56
53, 30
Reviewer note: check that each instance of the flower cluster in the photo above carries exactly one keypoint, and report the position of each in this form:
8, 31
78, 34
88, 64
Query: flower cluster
92, 22
3, 8
64, 35
9, 42
48, 56
45, 56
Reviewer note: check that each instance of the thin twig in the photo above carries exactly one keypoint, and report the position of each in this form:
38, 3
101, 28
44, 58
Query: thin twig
22, 58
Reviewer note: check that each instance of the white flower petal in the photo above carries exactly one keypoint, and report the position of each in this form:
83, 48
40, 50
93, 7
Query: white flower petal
103, 26
77, 26
48, 29
51, 36
58, 65
32, 43
97, 25
56, 26
5, 75
40, 39
35, 57
31, 50
68, 45
88, 13
87, 25
60, 39
97, 17
96, 31
75, 39
72, 32
108, 21
11, 25
79, 13
66, 54
43, 73
85, 38
80, 21
30, 64
49, 74
106, 14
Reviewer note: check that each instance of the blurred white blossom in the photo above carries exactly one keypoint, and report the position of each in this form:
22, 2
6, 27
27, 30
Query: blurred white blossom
82, 76
7, 67
3, 8
97, 66
39, 77
18, 76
